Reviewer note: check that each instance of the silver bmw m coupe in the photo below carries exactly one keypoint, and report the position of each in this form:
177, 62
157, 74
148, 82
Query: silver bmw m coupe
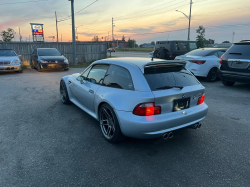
137, 97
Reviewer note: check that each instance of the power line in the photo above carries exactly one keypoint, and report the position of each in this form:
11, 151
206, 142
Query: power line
23, 2
68, 17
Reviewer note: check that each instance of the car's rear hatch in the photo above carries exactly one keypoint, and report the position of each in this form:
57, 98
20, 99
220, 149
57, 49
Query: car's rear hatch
174, 87
237, 58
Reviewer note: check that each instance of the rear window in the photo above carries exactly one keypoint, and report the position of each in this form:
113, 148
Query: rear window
180, 78
239, 49
181, 46
199, 52
192, 46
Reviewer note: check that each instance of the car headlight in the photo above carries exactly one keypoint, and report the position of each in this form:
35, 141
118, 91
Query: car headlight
43, 61
66, 60
15, 62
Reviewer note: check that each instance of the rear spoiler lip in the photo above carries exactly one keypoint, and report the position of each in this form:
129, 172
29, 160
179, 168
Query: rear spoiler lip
183, 62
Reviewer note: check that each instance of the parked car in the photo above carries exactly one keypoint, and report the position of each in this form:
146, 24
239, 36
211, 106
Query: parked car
170, 49
111, 50
47, 59
150, 54
137, 97
235, 64
9, 61
203, 62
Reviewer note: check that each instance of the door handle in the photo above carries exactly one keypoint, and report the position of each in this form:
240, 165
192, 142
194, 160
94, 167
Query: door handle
91, 91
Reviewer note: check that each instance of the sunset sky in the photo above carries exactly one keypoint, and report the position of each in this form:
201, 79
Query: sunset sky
132, 18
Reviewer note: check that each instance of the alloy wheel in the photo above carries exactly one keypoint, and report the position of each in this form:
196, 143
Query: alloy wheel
107, 123
63, 92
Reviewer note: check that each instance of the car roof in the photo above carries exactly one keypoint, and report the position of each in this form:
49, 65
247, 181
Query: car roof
139, 62
211, 49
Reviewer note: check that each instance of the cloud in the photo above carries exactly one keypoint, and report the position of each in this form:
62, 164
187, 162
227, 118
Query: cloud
136, 30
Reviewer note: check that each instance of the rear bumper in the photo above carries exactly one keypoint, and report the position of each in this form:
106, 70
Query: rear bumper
10, 68
54, 66
145, 127
234, 76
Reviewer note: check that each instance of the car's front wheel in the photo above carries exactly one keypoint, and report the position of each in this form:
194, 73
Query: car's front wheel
228, 83
109, 124
64, 93
39, 69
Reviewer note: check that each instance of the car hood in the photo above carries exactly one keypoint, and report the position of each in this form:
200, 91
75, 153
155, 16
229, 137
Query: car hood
52, 58
8, 58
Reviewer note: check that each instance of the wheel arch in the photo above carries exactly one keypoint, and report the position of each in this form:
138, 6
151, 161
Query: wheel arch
213, 67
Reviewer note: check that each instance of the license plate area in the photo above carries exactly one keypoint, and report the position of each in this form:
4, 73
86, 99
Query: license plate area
238, 64
181, 104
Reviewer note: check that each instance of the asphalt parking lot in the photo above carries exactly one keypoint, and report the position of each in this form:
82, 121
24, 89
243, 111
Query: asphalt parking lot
46, 143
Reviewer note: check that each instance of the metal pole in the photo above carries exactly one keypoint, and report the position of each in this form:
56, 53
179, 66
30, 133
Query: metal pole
112, 32
56, 28
61, 37
108, 39
73, 32
191, 2
19, 34
233, 37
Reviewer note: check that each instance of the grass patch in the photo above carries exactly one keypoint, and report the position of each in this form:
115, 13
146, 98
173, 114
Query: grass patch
146, 50
24, 67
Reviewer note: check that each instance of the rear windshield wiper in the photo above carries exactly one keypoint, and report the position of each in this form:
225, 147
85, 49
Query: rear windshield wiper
168, 87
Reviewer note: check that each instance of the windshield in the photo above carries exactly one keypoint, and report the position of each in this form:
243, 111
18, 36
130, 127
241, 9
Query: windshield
7, 53
199, 52
48, 52
167, 80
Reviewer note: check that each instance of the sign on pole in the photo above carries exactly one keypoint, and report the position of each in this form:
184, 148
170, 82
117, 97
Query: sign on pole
37, 32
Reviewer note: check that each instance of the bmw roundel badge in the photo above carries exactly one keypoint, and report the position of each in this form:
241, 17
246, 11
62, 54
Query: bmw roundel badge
183, 96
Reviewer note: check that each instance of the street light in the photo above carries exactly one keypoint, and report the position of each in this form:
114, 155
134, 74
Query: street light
188, 17
77, 32
19, 33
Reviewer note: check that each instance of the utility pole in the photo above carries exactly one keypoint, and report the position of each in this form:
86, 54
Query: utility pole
56, 28
108, 39
61, 37
233, 37
112, 32
73, 32
20, 34
191, 2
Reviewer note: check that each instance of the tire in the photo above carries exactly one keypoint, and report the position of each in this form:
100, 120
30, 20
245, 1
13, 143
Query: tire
32, 67
109, 124
39, 69
212, 75
20, 71
64, 93
66, 69
228, 83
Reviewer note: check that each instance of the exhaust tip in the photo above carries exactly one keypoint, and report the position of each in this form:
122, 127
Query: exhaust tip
170, 134
165, 136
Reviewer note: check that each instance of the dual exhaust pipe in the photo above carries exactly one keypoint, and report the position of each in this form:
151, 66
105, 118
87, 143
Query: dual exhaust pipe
195, 126
167, 135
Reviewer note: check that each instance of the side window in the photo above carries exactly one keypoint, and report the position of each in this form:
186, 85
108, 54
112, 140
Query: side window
214, 54
118, 77
220, 53
181, 46
97, 73
85, 73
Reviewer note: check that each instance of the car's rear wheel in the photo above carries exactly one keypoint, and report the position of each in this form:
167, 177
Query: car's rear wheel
64, 93
212, 75
109, 124
228, 83
32, 66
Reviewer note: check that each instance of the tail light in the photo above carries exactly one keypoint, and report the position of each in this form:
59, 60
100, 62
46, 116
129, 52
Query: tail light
198, 61
170, 55
201, 99
147, 109
221, 59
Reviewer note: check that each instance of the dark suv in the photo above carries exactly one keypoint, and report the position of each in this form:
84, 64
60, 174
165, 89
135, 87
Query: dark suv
170, 49
235, 64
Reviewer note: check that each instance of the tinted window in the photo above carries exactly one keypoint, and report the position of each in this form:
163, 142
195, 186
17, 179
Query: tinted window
181, 46
199, 52
118, 77
7, 53
178, 78
215, 53
220, 53
192, 46
48, 52
239, 49
97, 73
